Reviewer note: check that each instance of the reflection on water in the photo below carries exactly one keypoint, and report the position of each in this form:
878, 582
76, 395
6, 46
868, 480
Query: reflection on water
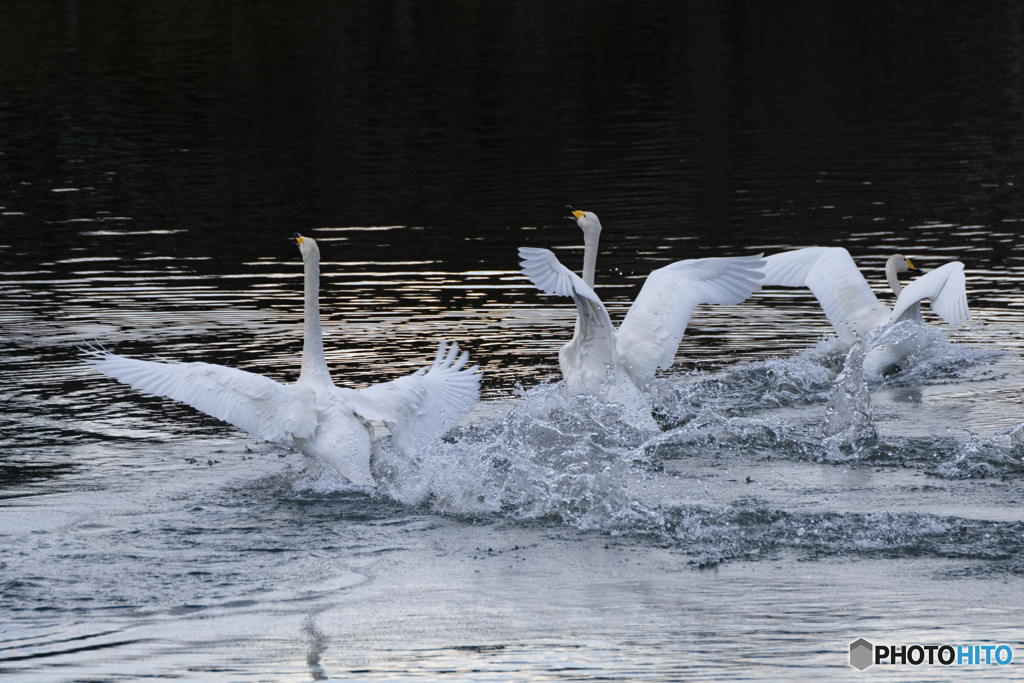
155, 160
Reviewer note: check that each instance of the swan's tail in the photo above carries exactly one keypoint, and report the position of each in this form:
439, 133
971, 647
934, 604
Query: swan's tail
424, 405
452, 389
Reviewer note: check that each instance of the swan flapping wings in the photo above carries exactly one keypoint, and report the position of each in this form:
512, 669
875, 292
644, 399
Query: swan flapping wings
324, 421
419, 407
848, 300
653, 328
592, 353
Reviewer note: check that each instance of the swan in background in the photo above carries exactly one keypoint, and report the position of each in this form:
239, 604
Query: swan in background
856, 313
618, 364
330, 423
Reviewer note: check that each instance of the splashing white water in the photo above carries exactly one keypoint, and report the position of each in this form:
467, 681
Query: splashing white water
1000, 454
848, 429
548, 457
545, 456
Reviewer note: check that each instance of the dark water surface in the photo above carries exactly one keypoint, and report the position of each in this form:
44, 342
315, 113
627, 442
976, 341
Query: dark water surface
154, 157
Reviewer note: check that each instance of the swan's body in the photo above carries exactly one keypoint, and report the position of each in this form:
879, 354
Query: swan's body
330, 423
854, 310
619, 364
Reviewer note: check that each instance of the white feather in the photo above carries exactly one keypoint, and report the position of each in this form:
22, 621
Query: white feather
257, 404
946, 287
654, 325
833, 278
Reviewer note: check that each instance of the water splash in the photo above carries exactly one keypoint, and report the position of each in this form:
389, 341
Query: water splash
544, 457
567, 459
941, 360
742, 390
998, 455
848, 429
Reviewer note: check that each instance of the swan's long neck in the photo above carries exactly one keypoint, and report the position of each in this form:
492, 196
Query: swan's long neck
314, 365
891, 277
590, 240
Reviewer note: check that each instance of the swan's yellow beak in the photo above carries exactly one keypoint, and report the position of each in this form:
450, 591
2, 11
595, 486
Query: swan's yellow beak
298, 238
576, 215
910, 265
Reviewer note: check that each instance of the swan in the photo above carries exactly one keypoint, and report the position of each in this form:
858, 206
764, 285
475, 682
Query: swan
330, 423
856, 313
618, 365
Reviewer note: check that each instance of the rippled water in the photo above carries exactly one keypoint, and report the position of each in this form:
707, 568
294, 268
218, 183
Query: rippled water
154, 161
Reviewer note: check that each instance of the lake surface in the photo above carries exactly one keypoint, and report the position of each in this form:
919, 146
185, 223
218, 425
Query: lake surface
155, 158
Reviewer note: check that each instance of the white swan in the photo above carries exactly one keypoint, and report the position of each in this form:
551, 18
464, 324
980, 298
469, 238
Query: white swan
618, 364
854, 310
330, 423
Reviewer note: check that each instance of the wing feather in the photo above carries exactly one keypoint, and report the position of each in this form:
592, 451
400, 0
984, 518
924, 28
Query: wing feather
946, 286
246, 400
837, 284
544, 270
653, 328
427, 403
587, 359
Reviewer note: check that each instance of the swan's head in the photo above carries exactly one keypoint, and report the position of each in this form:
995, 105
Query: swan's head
307, 246
898, 263
587, 221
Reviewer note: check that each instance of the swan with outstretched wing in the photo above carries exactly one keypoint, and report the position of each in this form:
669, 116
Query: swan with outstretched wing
618, 364
855, 312
330, 423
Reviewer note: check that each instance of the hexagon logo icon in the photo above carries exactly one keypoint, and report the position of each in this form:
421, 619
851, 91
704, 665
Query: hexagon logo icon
861, 654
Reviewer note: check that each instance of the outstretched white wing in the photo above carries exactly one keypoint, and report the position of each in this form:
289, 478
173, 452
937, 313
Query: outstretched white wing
650, 334
588, 358
946, 286
427, 403
257, 404
837, 284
